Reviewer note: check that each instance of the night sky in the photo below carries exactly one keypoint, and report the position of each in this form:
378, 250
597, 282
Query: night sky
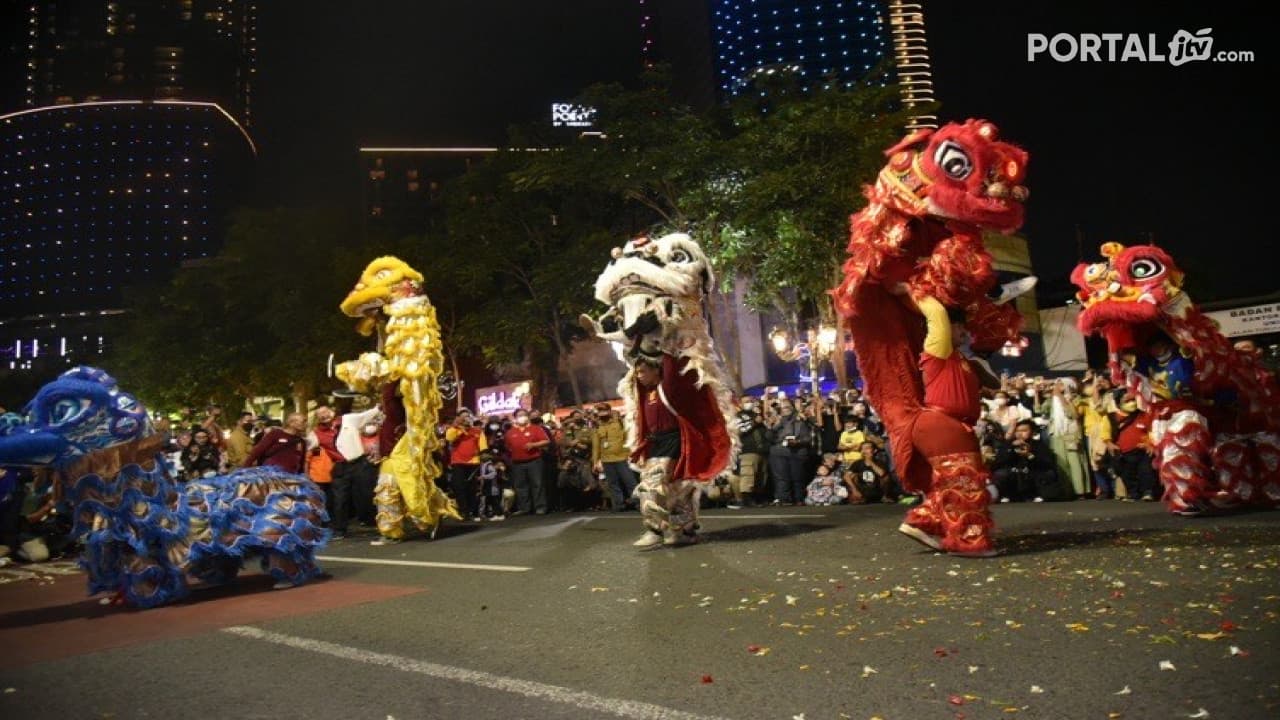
1121, 151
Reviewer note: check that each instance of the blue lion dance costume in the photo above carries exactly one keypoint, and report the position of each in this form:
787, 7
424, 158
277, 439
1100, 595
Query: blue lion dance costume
146, 536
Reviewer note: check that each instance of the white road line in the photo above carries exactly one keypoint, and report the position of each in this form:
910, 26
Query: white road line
541, 532
423, 563
528, 688
634, 517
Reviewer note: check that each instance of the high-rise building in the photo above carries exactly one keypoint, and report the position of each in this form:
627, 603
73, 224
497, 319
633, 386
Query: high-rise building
121, 153
201, 50
98, 196
825, 42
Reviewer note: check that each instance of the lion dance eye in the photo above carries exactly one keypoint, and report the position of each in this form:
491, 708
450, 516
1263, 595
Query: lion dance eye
680, 256
64, 411
953, 160
1145, 269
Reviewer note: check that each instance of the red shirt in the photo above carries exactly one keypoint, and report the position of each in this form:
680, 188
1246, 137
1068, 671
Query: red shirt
1133, 435
327, 438
280, 449
466, 447
951, 386
518, 439
657, 418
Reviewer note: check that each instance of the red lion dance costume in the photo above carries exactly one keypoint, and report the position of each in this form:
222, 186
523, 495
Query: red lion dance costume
920, 237
1137, 291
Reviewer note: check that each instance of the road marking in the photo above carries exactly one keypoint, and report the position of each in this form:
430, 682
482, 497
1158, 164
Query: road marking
542, 532
528, 688
423, 563
633, 516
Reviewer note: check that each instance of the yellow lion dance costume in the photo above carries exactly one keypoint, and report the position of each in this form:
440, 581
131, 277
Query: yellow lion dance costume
390, 301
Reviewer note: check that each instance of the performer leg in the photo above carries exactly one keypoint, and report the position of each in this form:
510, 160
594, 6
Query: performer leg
954, 516
1183, 460
960, 484
390, 518
651, 495
683, 498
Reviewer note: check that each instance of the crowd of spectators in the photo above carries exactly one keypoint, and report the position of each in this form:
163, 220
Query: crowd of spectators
1043, 438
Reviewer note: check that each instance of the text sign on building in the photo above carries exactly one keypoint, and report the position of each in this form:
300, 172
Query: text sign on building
503, 399
1253, 320
570, 115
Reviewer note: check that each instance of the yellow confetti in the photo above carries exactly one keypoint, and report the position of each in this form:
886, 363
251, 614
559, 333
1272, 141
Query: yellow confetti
804, 667
1077, 627
599, 589
1211, 636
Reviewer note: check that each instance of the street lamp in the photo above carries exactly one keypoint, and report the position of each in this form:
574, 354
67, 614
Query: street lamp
821, 342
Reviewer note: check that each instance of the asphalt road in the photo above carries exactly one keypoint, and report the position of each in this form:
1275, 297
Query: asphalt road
792, 613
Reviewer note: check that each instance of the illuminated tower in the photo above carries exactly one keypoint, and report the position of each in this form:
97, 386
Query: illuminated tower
911, 58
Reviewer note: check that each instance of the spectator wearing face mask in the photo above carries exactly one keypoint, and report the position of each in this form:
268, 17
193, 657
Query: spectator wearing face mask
355, 477
239, 443
1005, 414
610, 454
527, 444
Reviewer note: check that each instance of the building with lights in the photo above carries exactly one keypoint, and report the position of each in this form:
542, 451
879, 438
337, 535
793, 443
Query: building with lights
140, 49
100, 195
402, 186
831, 43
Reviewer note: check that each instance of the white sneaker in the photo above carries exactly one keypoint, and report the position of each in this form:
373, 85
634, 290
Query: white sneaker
1039, 499
496, 518
734, 506
384, 541
1011, 290
920, 536
648, 539
477, 519
1004, 500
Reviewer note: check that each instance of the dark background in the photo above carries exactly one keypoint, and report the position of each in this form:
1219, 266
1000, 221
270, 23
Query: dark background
1124, 152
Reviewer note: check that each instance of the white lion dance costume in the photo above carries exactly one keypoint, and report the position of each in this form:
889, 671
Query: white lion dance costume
389, 299
679, 432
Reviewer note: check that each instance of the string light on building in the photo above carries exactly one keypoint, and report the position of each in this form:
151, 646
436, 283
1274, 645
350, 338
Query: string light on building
911, 57
833, 43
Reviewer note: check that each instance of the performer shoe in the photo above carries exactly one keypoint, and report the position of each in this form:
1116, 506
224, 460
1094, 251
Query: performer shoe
1011, 290
679, 539
384, 541
648, 539
921, 536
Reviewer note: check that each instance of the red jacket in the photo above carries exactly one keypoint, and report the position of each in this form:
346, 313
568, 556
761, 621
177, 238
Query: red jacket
704, 432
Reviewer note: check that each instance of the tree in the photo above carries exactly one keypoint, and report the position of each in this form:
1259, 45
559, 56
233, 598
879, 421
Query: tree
259, 318
536, 251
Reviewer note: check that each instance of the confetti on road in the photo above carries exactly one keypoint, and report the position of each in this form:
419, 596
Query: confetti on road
1166, 665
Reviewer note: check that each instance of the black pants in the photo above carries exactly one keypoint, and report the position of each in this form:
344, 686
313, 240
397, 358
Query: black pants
791, 475
351, 491
463, 483
11, 518
1023, 483
1138, 472
531, 491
